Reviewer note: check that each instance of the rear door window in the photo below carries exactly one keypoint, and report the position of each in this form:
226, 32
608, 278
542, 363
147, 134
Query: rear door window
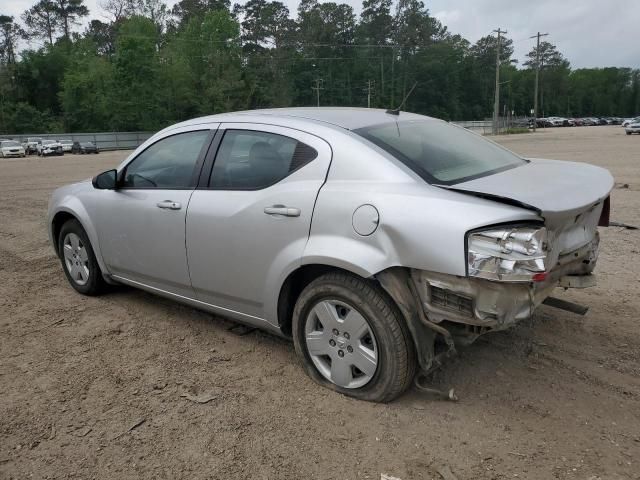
252, 160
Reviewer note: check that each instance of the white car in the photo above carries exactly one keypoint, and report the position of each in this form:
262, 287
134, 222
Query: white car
629, 121
11, 148
633, 127
66, 144
30, 145
49, 147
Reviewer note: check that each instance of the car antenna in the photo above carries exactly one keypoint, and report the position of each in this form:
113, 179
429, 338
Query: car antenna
396, 111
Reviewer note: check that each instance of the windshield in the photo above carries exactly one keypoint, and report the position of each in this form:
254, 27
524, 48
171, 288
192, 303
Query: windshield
66, 142
439, 152
10, 143
48, 142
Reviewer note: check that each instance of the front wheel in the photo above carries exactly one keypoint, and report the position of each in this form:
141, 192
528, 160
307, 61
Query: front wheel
78, 260
351, 338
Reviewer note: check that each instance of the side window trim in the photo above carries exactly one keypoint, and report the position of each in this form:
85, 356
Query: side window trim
222, 130
209, 160
197, 169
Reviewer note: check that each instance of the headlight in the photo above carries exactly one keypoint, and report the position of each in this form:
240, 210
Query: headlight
508, 254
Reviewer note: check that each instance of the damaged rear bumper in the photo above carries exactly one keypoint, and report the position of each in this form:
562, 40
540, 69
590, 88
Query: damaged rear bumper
469, 307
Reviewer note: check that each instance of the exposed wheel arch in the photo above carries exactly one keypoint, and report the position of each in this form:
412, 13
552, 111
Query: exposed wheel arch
58, 221
291, 288
296, 282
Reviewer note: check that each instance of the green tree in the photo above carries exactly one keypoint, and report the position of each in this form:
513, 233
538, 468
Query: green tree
87, 90
136, 84
9, 35
69, 13
42, 21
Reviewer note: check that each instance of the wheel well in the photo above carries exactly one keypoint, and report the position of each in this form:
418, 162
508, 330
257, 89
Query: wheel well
293, 287
59, 220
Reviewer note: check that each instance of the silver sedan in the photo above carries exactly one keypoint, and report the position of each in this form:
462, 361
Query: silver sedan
379, 241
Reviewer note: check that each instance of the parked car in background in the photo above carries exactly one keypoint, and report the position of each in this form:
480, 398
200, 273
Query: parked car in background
629, 121
84, 147
30, 145
387, 238
11, 148
559, 121
544, 123
66, 143
49, 147
632, 128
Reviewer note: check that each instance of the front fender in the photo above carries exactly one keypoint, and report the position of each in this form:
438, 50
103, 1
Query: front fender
70, 200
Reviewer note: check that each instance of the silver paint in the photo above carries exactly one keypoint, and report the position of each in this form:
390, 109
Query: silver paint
225, 252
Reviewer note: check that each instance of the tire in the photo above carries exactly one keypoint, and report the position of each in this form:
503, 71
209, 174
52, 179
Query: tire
628, 133
387, 343
85, 279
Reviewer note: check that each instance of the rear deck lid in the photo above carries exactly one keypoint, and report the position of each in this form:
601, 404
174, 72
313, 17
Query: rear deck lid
555, 189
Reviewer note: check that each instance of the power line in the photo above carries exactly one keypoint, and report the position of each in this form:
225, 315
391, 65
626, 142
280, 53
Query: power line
535, 94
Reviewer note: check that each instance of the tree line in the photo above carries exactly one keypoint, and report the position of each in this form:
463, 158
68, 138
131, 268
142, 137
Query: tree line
148, 66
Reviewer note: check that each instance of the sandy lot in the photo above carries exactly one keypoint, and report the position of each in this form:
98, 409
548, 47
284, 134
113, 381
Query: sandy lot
104, 387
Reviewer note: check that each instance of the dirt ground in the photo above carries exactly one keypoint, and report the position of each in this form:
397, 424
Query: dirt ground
108, 387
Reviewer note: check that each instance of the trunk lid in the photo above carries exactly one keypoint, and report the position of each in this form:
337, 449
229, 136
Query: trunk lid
569, 196
557, 190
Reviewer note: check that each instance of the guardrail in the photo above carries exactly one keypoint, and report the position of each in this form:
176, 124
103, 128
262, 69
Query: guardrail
103, 140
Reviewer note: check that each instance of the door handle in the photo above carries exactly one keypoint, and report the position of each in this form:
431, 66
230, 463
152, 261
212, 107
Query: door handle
169, 205
282, 210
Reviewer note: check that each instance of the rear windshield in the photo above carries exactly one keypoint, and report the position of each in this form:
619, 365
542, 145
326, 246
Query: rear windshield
439, 152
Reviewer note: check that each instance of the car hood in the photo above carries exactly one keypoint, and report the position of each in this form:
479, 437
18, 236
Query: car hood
553, 188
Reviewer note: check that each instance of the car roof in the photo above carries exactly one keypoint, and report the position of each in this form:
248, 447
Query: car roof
344, 117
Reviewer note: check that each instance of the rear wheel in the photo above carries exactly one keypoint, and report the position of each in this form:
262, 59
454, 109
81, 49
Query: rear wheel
78, 260
351, 338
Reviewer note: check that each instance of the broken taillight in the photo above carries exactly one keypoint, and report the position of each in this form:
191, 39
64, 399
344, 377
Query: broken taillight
606, 210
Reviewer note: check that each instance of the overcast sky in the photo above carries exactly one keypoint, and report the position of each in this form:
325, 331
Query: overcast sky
590, 33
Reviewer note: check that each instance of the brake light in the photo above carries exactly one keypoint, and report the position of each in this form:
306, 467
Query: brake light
539, 277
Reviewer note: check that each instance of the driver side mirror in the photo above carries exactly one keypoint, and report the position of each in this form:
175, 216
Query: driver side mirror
106, 180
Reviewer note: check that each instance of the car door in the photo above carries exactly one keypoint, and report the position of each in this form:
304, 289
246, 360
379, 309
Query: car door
248, 228
141, 224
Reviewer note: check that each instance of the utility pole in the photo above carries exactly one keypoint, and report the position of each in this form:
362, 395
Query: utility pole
496, 103
317, 87
369, 90
535, 94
